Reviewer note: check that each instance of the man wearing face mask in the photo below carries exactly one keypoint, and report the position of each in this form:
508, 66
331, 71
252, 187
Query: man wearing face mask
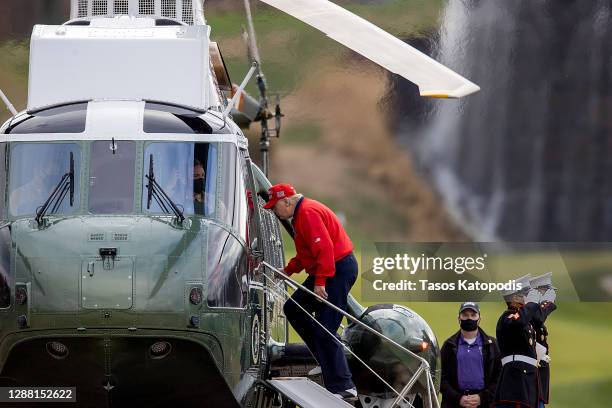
204, 201
470, 363
198, 187
518, 384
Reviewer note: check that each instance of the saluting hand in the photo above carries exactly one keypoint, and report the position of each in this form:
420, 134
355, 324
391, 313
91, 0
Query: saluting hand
533, 296
320, 290
549, 296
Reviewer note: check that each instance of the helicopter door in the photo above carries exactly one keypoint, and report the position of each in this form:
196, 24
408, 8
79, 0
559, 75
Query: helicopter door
106, 281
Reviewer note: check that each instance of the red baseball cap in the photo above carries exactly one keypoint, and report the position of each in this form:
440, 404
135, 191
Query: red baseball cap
278, 192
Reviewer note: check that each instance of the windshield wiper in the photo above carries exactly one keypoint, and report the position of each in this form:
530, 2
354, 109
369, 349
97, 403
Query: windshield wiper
163, 200
55, 199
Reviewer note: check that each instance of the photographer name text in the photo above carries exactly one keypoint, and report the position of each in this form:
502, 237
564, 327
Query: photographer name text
459, 285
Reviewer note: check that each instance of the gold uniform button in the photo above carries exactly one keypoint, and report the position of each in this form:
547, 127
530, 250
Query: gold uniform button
525, 371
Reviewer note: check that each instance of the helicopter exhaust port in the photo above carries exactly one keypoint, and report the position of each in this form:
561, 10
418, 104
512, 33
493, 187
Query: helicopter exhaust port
57, 350
159, 350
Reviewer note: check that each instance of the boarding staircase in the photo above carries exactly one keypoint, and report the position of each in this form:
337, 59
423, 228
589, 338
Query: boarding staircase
305, 393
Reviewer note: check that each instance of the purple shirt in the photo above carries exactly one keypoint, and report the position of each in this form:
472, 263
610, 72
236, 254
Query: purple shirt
470, 369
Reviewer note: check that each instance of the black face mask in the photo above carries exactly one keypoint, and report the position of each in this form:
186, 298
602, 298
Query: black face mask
198, 186
469, 324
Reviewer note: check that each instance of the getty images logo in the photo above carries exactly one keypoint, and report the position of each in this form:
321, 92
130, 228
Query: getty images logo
412, 264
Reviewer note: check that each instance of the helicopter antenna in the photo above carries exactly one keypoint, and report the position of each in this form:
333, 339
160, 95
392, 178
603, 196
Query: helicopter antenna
264, 113
8, 103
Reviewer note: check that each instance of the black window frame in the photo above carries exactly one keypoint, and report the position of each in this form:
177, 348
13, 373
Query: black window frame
159, 118
64, 118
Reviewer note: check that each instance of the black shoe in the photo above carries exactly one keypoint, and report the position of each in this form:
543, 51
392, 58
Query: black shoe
347, 395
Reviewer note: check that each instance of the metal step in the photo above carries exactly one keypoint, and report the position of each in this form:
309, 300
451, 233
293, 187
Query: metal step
291, 360
306, 393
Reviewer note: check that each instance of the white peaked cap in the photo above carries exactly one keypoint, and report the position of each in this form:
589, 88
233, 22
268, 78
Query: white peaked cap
523, 280
542, 280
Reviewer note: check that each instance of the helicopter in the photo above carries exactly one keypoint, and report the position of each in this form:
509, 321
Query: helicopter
136, 261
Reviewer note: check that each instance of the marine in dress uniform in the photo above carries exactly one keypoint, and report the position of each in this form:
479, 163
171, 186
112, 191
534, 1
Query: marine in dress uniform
544, 284
518, 385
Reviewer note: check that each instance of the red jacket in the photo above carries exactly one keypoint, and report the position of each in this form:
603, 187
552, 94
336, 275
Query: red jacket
320, 241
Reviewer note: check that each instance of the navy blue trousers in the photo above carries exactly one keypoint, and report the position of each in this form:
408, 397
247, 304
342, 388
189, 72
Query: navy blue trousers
328, 352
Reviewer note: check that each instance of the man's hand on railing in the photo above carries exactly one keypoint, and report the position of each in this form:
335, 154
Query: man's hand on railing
320, 291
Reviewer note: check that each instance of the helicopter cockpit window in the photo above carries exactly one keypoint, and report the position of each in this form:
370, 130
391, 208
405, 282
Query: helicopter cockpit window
61, 119
111, 177
160, 118
36, 170
186, 172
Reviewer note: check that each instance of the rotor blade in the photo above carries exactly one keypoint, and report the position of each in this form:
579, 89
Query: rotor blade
252, 40
363, 37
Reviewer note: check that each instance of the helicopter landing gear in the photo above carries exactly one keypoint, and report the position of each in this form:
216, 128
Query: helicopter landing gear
266, 397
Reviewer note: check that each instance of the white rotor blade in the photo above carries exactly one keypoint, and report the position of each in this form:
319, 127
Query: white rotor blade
358, 34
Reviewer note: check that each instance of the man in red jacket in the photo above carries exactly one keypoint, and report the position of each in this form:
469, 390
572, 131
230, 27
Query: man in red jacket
325, 251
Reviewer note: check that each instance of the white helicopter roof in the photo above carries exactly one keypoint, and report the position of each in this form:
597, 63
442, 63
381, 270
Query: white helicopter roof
118, 58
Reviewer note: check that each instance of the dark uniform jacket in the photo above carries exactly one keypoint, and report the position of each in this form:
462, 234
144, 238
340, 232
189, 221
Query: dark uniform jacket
518, 383
449, 385
537, 322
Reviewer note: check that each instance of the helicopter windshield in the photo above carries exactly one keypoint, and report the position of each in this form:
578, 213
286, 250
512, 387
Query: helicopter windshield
199, 178
36, 168
187, 173
111, 177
